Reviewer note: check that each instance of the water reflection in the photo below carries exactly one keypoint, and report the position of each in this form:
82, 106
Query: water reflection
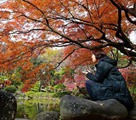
30, 108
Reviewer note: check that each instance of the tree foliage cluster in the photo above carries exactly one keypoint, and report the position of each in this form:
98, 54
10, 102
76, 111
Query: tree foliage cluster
30, 27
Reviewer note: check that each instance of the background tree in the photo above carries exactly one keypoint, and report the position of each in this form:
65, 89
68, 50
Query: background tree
30, 26
86, 24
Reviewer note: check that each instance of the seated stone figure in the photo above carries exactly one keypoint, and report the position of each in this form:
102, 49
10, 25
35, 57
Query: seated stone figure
107, 82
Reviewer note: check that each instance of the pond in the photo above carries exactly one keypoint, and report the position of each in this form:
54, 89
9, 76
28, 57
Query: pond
28, 109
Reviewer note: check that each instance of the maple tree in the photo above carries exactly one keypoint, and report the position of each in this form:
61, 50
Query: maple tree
57, 23
30, 26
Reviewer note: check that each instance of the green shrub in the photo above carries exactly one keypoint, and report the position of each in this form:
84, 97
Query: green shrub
30, 94
49, 89
36, 87
61, 94
11, 89
60, 87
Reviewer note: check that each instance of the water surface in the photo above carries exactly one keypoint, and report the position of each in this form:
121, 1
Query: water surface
28, 109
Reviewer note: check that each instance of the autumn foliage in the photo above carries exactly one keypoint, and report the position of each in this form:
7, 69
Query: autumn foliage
30, 27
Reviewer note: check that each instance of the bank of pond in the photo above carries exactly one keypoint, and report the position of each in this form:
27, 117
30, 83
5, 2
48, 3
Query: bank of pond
28, 109
31, 104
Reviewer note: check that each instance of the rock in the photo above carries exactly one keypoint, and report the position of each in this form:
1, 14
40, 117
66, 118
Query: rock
75, 108
8, 106
132, 114
49, 115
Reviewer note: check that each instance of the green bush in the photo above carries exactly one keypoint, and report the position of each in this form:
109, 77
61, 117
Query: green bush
61, 94
11, 89
60, 87
36, 87
30, 94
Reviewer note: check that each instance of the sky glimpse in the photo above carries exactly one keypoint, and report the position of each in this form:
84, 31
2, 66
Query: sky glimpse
1, 1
